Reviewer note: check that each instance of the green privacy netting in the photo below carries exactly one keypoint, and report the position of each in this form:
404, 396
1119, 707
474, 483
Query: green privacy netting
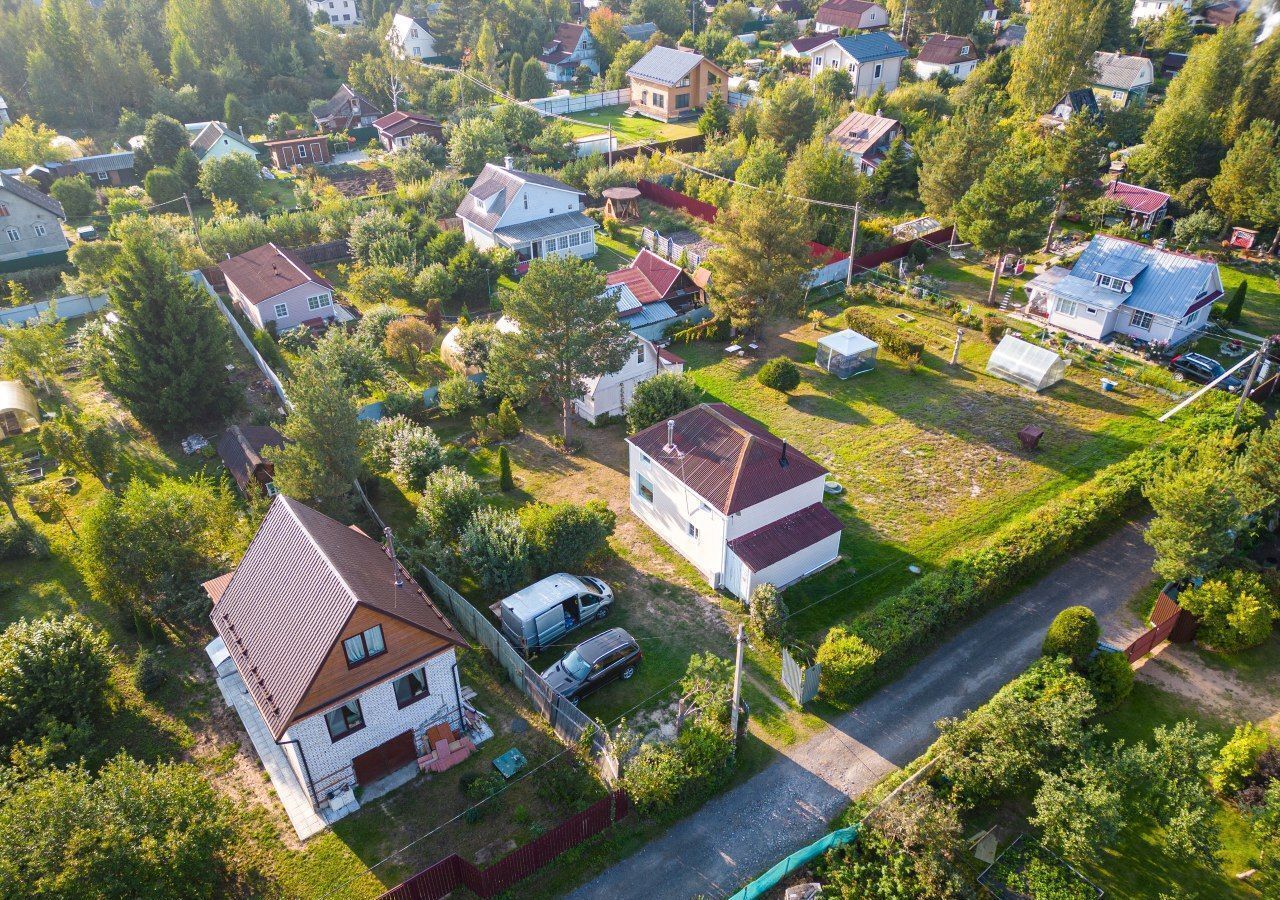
781, 870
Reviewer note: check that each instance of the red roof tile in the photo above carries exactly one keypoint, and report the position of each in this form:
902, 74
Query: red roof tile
1135, 198
787, 536
268, 271
649, 277
731, 461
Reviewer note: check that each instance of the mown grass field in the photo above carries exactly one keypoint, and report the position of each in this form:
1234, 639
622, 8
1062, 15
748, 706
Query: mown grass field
627, 130
1262, 301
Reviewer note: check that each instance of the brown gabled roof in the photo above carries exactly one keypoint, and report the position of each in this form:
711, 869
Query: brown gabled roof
649, 277
860, 132
285, 605
731, 461
563, 44
400, 122
268, 271
789, 535
947, 50
240, 448
843, 13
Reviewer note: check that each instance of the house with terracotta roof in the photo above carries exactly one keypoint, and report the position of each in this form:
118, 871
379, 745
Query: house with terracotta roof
396, 128
873, 60
956, 56
534, 215
669, 84
733, 499
1143, 207
570, 47
276, 289
834, 15
1123, 286
337, 661
241, 449
654, 293
865, 138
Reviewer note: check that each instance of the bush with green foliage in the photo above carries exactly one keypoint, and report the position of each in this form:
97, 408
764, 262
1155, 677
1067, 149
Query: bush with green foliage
767, 614
563, 536
506, 482
52, 670
164, 185
494, 546
76, 194
665, 779
659, 398
131, 829
994, 327
1074, 634
415, 453
847, 662
458, 394
449, 499
17, 541
1238, 758
1234, 608
149, 672
1111, 678
379, 438
780, 374
889, 337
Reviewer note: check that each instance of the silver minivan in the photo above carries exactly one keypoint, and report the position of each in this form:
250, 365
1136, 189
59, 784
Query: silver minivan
538, 615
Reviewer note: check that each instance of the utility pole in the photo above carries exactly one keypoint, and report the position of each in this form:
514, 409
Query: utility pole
1248, 385
195, 226
737, 685
955, 351
853, 246
610, 146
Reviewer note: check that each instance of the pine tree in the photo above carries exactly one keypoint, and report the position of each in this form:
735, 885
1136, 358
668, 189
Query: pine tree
183, 68
505, 481
322, 457
515, 69
233, 111
759, 271
455, 23
897, 173
1061, 39
957, 154
1258, 95
1242, 188
715, 117
169, 351
1236, 305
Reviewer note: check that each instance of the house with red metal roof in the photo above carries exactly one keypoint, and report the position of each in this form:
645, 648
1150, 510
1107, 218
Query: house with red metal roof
653, 293
338, 663
865, 138
1143, 207
396, 129
733, 499
955, 55
835, 15
274, 287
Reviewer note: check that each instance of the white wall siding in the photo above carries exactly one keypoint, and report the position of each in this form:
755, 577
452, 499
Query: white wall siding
790, 570
673, 508
295, 300
775, 508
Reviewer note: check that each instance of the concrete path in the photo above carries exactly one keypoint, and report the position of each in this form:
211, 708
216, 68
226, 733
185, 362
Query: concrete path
739, 834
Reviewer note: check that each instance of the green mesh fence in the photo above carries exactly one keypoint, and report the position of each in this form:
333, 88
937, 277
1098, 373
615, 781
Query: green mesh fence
800, 858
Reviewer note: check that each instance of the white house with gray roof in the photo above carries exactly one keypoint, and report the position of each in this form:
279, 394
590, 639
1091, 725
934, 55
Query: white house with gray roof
4, 115
873, 60
216, 140
534, 215
1119, 285
30, 227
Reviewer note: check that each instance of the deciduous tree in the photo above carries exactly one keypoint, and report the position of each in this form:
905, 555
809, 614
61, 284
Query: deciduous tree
1196, 515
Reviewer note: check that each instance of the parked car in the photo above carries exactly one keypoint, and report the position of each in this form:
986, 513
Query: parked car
1201, 369
594, 663
537, 615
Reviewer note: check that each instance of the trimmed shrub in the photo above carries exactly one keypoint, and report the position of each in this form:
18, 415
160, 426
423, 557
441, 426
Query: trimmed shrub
494, 546
847, 662
506, 422
664, 779
889, 337
149, 673
780, 374
768, 614
1073, 634
659, 398
505, 481
1110, 677
1238, 758
562, 536
1234, 609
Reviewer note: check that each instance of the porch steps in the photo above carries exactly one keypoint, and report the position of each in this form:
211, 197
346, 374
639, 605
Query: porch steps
1006, 300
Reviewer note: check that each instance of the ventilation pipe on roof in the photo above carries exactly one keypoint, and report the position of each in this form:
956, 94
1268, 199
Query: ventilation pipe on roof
671, 437
506, 162
783, 462
390, 549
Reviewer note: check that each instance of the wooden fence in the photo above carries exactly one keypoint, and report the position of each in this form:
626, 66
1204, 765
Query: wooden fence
1169, 622
453, 871
315, 254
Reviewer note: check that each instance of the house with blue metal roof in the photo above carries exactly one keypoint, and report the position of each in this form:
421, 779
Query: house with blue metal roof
873, 60
1119, 285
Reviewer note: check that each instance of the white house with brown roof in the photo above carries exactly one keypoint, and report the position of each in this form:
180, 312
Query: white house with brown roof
272, 285
743, 507
346, 661
834, 15
571, 46
956, 56
410, 37
534, 215
865, 138
30, 227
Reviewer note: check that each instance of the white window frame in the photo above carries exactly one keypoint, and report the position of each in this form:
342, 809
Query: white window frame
877, 71
320, 301
692, 530
13, 234
1065, 307
102, 176
643, 483
302, 151
575, 239
39, 229
1141, 320
281, 311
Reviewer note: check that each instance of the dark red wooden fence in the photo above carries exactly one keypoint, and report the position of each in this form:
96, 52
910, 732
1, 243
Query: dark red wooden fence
665, 196
453, 871
894, 252
1169, 622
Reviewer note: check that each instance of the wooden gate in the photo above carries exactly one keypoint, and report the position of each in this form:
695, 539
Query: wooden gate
801, 681
1169, 621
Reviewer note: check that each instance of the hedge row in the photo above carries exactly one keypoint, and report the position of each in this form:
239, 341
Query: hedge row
914, 619
887, 336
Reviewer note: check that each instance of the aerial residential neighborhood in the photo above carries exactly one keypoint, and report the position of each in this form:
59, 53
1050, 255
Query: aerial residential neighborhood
633, 449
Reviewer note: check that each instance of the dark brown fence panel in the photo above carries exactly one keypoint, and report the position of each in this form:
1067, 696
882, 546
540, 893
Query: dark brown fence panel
868, 261
431, 883
323, 253
1169, 622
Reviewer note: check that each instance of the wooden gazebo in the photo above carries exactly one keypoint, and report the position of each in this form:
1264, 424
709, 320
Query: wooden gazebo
622, 203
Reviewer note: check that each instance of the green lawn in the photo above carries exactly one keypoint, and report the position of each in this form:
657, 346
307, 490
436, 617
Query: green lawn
1262, 302
627, 130
969, 280
929, 458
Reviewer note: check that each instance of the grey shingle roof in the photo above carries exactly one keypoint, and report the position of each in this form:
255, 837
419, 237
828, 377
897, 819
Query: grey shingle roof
498, 180
640, 32
665, 65
1115, 70
31, 195
105, 162
214, 132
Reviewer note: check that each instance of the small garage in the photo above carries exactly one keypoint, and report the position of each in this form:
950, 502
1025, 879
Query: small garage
385, 758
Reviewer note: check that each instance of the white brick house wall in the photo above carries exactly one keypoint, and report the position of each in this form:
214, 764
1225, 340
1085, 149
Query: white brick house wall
326, 758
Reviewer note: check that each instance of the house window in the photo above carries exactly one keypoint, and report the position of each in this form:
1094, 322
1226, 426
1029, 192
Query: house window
955, 70
344, 720
102, 176
526, 201
693, 531
413, 32
562, 242
13, 234
318, 302
575, 239
1141, 320
302, 150
1112, 283
411, 688
640, 354
1117, 95
644, 487
363, 646
817, 61
682, 101
964, 51
1066, 307
660, 101
4, 210
39, 229
282, 310
875, 74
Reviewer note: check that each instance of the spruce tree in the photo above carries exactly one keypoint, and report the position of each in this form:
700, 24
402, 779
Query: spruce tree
515, 71
533, 81
1236, 305
169, 350
322, 457
505, 481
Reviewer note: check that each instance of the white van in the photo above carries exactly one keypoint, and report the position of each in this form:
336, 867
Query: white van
539, 614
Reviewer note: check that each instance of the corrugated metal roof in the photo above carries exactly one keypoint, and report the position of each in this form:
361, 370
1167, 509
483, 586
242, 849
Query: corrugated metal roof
1115, 70
871, 45
285, 605
648, 314
787, 536
1137, 198
640, 32
947, 49
240, 449
665, 65
860, 131
268, 271
731, 461
548, 227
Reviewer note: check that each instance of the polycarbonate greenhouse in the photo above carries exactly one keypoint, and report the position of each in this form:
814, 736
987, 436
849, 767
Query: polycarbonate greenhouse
1026, 364
846, 353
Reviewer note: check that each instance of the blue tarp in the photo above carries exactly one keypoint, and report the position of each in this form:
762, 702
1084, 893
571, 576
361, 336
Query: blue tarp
770, 879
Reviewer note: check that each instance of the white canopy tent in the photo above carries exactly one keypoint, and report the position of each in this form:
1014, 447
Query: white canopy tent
1026, 364
846, 353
